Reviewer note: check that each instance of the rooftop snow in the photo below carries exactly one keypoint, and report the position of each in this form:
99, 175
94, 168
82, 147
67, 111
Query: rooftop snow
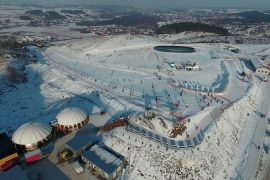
79, 142
256, 63
104, 158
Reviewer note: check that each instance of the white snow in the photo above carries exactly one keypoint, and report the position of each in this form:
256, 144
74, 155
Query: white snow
122, 69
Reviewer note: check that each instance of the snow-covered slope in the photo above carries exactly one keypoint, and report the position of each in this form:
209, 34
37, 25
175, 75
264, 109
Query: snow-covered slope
129, 75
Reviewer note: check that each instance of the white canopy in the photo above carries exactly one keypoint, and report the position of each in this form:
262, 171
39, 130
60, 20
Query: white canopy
31, 132
71, 116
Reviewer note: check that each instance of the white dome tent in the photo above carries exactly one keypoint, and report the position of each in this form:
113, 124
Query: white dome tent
32, 134
70, 119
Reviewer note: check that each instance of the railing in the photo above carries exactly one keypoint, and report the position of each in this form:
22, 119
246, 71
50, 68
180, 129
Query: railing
114, 124
168, 142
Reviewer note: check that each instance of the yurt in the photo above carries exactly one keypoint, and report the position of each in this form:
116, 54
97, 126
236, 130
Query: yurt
71, 119
32, 134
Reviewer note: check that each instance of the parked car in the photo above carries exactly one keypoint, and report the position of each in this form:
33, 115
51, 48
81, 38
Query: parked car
66, 155
77, 167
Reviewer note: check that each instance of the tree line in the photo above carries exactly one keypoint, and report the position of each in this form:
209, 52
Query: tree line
190, 26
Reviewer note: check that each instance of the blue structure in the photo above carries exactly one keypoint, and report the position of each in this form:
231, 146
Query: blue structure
168, 142
79, 143
103, 160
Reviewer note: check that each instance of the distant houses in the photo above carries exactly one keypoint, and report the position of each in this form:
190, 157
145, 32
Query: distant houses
36, 40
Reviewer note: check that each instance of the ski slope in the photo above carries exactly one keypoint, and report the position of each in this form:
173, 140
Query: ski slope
124, 71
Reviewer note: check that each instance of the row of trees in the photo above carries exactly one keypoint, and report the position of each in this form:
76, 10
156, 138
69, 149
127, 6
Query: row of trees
9, 43
127, 20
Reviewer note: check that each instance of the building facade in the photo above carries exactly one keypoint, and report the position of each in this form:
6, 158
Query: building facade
191, 66
104, 162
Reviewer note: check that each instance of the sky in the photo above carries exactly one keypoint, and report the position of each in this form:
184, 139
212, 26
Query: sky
158, 3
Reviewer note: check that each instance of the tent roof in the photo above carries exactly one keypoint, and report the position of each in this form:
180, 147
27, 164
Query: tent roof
71, 116
31, 132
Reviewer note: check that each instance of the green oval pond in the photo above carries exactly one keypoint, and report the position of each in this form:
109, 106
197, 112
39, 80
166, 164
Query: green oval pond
175, 49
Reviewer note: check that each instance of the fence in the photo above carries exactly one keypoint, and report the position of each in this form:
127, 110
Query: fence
165, 140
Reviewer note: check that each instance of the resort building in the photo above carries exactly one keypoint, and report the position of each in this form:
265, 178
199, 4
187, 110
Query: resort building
188, 66
104, 162
79, 143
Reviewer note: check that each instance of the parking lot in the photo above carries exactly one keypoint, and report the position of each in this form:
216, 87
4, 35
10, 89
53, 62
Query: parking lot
52, 168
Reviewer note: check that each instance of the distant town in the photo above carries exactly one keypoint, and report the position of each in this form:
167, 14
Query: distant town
244, 26
126, 93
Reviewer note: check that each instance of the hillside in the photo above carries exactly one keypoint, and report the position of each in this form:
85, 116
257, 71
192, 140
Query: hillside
254, 16
127, 20
189, 26
48, 15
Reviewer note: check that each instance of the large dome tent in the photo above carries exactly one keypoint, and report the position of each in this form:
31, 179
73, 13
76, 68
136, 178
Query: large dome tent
71, 119
32, 134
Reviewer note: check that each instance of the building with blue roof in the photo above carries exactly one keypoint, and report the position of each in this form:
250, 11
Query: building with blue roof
105, 161
79, 143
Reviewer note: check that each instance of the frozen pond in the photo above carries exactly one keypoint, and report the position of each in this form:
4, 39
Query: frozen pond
175, 49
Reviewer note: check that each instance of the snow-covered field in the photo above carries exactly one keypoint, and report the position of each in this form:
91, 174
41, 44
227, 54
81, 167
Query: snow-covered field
124, 69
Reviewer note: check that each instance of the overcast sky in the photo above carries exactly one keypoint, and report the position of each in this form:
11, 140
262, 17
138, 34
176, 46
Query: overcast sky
159, 3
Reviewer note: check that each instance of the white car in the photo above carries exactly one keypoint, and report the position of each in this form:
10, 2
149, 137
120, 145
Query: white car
77, 167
